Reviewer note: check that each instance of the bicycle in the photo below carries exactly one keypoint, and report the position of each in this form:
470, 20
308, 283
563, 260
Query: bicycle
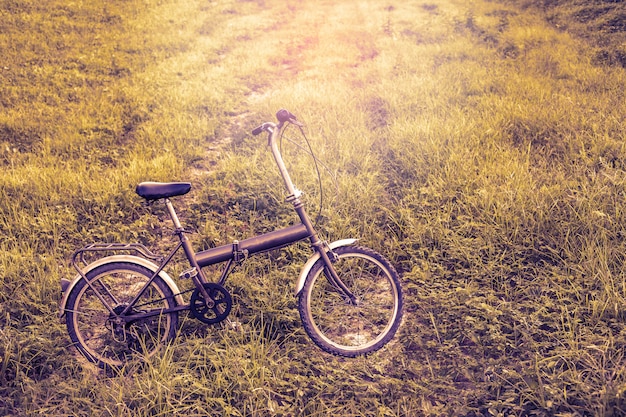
125, 305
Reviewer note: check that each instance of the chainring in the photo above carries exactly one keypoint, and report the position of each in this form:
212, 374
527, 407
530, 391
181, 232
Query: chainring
218, 307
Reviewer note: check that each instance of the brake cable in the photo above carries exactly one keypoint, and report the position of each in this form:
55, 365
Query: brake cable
317, 162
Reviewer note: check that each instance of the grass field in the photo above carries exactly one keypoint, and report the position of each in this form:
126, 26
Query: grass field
479, 145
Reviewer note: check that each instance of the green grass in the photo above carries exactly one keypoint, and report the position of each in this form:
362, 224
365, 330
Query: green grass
479, 146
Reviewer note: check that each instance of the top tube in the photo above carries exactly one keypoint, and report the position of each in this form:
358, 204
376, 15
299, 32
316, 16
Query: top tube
250, 246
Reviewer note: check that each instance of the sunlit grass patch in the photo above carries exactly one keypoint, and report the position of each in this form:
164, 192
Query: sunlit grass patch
476, 145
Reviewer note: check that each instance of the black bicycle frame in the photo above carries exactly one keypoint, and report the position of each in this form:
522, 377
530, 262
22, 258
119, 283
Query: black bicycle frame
242, 249
237, 250
234, 252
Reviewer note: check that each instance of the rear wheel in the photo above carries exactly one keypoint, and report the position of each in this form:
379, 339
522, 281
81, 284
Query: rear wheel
105, 336
340, 326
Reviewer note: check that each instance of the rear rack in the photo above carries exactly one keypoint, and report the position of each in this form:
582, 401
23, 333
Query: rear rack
79, 256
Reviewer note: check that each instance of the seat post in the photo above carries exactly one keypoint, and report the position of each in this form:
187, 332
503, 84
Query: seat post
196, 273
173, 215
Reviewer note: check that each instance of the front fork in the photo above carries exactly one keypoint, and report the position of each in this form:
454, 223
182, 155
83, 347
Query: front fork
325, 253
329, 258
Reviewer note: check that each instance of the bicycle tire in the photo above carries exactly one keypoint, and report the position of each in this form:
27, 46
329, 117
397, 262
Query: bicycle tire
89, 323
340, 327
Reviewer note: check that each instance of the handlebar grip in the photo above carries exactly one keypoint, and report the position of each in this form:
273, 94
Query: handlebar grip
258, 130
285, 116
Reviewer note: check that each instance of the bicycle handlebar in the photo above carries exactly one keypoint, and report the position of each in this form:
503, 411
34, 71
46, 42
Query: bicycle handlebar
283, 116
273, 131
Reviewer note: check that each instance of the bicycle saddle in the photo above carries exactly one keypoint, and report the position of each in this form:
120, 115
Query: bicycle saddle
157, 190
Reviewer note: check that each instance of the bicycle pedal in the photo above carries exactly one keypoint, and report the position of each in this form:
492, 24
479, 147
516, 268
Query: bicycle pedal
190, 273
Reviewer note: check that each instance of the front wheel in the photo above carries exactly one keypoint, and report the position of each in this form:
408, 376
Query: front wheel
352, 327
97, 326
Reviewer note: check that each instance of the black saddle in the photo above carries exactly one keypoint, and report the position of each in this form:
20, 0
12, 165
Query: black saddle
157, 190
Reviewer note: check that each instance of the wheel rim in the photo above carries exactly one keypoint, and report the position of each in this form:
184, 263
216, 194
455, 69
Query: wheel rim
104, 340
347, 327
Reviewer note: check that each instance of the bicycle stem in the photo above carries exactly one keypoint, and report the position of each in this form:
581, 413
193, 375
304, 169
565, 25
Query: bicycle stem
294, 193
